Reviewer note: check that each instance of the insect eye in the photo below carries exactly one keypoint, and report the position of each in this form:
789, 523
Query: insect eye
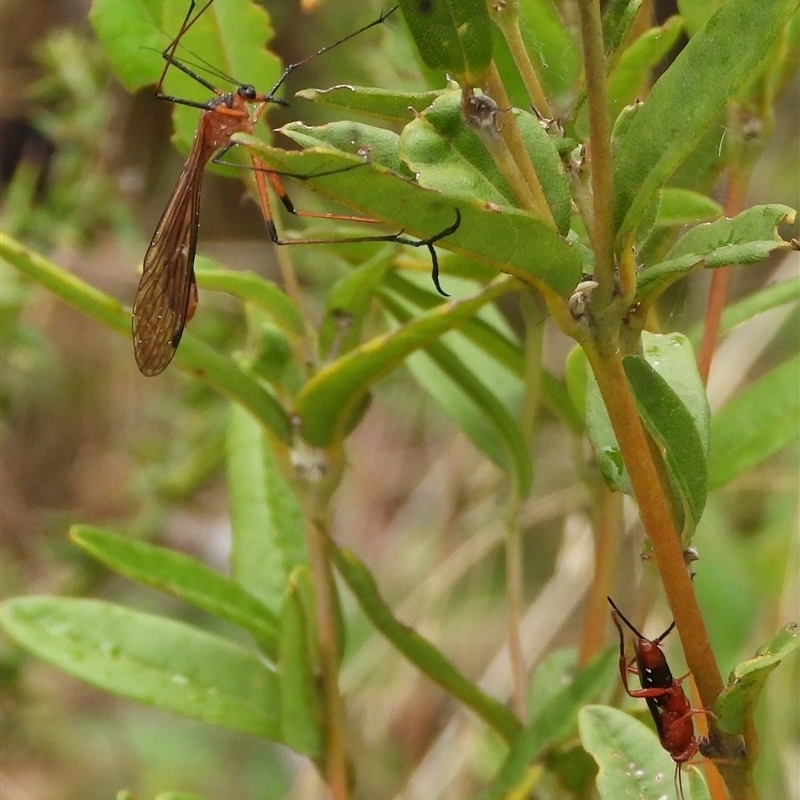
247, 91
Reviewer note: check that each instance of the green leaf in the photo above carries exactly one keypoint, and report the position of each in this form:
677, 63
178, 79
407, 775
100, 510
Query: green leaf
461, 377
757, 423
326, 402
397, 107
301, 712
454, 36
194, 356
230, 36
268, 532
169, 796
553, 722
738, 700
697, 13
348, 301
715, 64
355, 138
685, 207
769, 297
446, 154
500, 345
632, 764
418, 650
632, 71
681, 435
748, 238
501, 240
552, 47
250, 288
672, 375
151, 659
184, 577
576, 374
618, 19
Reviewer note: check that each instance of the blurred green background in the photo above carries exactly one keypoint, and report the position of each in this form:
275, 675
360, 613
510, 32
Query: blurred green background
86, 171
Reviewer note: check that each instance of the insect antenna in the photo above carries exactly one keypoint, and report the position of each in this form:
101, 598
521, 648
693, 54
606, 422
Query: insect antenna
625, 619
292, 67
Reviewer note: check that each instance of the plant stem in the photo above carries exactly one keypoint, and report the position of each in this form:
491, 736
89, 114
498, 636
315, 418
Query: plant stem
600, 149
654, 510
317, 496
514, 142
506, 16
607, 527
656, 515
514, 590
534, 313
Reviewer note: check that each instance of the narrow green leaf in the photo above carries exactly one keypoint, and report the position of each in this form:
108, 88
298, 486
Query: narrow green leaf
150, 659
682, 392
250, 288
632, 71
499, 345
748, 238
194, 356
418, 650
301, 712
632, 764
473, 375
552, 47
397, 107
693, 777
326, 402
769, 297
686, 207
184, 577
348, 302
716, 63
355, 138
675, 430
758, 422
554, 721
618, 19
487, 331
576, 375
697, 13
268, 532
169, 796
738, 700
501, 240
454, 36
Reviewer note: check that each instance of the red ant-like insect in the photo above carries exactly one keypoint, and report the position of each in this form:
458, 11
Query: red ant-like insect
665, 697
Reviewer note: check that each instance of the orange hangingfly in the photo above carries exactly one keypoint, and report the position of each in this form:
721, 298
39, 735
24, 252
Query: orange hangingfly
167, 295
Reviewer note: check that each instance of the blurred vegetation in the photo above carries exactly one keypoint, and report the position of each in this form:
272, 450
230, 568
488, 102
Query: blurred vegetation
84, 439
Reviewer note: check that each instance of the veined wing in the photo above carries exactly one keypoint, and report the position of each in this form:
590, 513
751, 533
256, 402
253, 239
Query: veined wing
167, 293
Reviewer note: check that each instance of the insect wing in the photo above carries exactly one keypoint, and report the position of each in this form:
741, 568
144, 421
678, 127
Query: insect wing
167, 293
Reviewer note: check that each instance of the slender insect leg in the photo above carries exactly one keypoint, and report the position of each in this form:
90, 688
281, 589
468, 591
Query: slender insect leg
263, 173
